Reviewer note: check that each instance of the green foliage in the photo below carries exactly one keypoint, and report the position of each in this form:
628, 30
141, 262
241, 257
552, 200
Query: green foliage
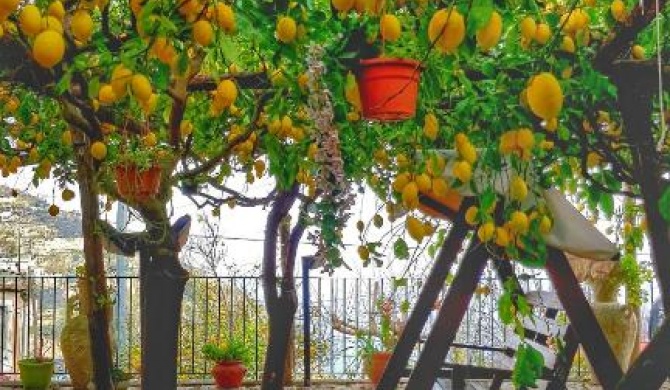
232, 350
664, 204
527, 367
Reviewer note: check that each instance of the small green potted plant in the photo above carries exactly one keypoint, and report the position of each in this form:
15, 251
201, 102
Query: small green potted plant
121, 378
36, 372
375, 356
231, 359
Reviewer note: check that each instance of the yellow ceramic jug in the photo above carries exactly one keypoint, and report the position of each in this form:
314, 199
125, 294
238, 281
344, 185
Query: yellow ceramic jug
75, 344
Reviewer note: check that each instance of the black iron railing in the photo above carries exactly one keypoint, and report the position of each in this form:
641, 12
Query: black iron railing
34, 311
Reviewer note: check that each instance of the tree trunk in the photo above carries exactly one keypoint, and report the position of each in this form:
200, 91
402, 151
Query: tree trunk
281, 301
162, 282
98, 319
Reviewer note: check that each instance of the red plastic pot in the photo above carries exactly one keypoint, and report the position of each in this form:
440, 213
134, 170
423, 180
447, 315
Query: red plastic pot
389, 88
229, 375
377, 364
137, 185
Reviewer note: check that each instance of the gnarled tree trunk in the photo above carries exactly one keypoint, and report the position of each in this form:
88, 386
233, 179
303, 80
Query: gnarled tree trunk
98, 320
281, 299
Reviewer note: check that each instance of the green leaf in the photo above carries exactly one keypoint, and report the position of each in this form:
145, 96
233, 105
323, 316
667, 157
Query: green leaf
506, 308
399, 282
400, 249
479, 15
664, 204
63, 83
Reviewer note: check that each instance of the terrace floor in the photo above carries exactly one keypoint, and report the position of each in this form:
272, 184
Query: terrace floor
472, 385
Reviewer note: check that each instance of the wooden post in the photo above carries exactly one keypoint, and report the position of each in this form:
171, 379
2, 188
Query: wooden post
582, 319
449, 319
429, 293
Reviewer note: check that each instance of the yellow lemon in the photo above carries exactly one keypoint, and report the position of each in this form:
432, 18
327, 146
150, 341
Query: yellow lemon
150, 140
489, 35
471, 215
163, 50
447, 30
9, 6
467, 152
66, 137
525, 139
424, 182
56, 9
440, 186
53, 210
545, 97
99, 150
203, 33
226, 93
568, 45
430, 126
400, 181
343, 5
121, 76
185, 128
390, 28
638, 52
51, 23
542, 33
519, 222
545, 225
48, 48
618, 10
593, 159
462, 171
225, 17
502, 237
30, 20
415, 228
486, 232
518, 189
528, 28
106, 95
259, 168
363, 252
141, 87
67, 195
410, 196
286, 29
81, 25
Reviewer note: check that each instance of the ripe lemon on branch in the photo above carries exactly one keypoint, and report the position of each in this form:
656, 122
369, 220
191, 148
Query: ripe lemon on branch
489, 35
286, 29
48, 48
390, 28
545, 97
446, 30
82, 25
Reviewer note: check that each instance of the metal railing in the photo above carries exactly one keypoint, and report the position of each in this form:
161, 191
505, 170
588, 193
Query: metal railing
33, 312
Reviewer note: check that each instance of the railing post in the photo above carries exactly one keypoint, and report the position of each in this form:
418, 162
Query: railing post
307, 262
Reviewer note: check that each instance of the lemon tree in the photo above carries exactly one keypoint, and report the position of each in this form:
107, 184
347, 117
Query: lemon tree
211, 91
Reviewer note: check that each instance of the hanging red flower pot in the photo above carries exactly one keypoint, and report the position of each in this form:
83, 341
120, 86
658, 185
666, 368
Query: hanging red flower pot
137, 184
389, 88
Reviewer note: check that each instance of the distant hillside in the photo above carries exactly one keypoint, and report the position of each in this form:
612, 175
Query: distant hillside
30, 210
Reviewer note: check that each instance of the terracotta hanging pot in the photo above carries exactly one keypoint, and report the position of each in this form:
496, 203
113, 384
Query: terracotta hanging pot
389, 88
376, 365
136, 184
229, 375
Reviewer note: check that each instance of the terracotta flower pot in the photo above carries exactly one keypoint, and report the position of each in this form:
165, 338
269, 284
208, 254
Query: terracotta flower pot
229, 375
137, 185
437, 206
376, 365
389, 88
36, 374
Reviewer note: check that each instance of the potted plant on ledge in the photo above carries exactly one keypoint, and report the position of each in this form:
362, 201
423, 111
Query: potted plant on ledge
36, 372
230, 359
375, 356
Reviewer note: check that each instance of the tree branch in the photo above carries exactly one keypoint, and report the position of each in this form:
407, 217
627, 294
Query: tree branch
625, 34
257, 80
